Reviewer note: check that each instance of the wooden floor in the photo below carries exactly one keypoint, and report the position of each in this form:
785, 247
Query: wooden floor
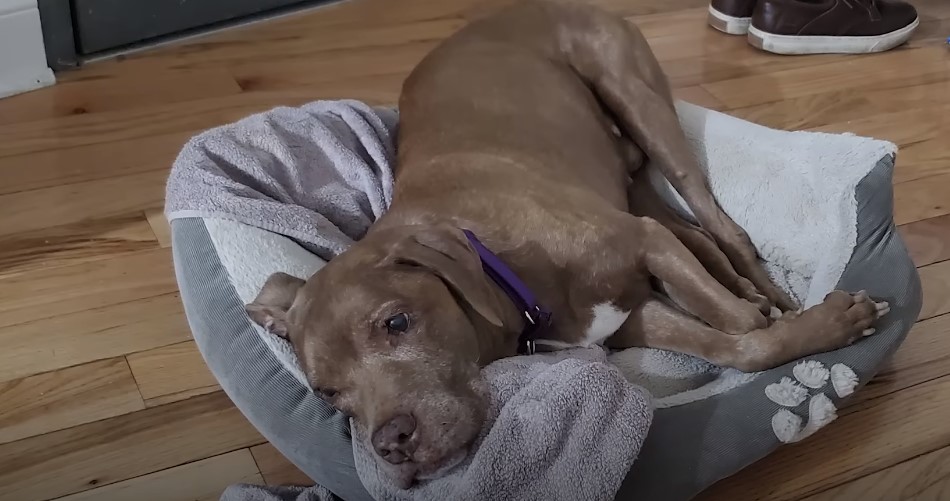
102, 393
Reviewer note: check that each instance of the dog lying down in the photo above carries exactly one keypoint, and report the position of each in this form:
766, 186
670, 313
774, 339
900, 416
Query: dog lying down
521, 218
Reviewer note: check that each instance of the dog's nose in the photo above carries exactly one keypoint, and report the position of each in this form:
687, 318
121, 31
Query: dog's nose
393, 440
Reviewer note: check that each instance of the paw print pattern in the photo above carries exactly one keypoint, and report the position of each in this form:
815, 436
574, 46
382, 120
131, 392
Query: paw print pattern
809, 375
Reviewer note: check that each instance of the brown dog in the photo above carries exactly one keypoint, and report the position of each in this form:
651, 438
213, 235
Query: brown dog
510, 129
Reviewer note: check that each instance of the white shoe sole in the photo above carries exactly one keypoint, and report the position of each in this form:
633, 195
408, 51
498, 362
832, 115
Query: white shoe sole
728, 24
793, 44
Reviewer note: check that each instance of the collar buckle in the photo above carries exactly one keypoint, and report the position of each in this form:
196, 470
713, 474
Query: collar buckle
530, 348
531, 320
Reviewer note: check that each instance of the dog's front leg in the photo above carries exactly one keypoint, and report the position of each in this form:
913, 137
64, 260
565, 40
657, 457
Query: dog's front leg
839, 321
667, 259
644, 201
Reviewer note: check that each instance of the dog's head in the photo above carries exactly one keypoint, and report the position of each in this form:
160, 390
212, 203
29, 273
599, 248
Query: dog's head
393, 333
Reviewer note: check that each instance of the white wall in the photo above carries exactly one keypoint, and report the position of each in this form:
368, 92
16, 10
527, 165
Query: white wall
22, 55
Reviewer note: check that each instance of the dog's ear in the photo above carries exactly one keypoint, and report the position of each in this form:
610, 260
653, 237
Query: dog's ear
444, 250
269, 309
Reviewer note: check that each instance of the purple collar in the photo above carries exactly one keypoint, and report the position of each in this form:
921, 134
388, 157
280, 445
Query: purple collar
538, 317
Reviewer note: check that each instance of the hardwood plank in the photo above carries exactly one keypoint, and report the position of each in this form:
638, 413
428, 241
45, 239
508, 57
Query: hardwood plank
76, 243
924, 158
632, 9
116, 92
372, 89
277, 469
28, 211
181, 395
127, 124
698, 96
91, 334
52, 292
120, 448
171, 369
359, 52
684, 35
874, 435
935, 282
921, 199
275, 73
664, 24
842, 106
65, 398
90, 162
198, 481
927, 241
924, 356
159, 226
919, 132
740, 61
899, 68
924, 478
901, 126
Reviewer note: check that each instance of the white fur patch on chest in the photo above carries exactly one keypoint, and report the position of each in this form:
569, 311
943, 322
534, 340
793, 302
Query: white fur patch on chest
607, 319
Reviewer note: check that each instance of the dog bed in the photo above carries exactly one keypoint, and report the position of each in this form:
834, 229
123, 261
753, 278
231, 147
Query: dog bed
817, 206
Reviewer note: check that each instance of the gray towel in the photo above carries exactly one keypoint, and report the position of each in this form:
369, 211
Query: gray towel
319, 174
250, 492
562, 425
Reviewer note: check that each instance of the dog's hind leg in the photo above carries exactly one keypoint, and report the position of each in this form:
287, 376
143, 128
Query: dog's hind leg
667, 147
616, 61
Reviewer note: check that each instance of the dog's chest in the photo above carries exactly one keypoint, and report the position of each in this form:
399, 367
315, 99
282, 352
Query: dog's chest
585, 281
606, 318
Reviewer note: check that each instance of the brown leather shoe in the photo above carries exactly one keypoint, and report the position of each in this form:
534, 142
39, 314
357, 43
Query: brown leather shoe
831, 26
731, 16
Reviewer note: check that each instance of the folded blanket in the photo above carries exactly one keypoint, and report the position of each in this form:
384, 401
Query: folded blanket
320, 174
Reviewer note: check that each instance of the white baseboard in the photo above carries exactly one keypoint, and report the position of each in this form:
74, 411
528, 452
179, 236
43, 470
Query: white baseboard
22, 54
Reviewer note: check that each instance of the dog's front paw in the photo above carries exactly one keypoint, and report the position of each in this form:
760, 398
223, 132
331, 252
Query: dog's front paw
840, 320
850, 315
747, 291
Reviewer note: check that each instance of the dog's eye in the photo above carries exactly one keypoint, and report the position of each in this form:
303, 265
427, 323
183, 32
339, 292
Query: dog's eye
325, 393
398, 323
